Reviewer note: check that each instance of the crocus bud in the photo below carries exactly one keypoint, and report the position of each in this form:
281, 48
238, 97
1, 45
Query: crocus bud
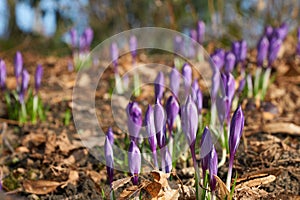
195, 88
243, 50
172, 109
262, 50
236, 130
193, 34
201, 31
159, 86
205, 145
221, 108
114, 52
18, 64
133, 46
159, 122
174, 81
269, 32
187, 75
166, 160
282, 31
189, 121
109, 159
134, 161
218, 58
213, 168
229, 86
73, 35
110, 135
134, 120
199, 100
229, 62
2, 74
274, 48
150, 127
235, 49
38, 77
241, 87
88, 35
178, 44
24, 85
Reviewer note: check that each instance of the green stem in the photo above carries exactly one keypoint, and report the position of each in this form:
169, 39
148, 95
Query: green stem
265, 83
229, 174
35, 108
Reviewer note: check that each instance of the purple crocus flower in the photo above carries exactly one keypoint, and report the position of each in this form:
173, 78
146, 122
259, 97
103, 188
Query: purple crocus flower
213, 168
114, 52
221, 108
229, 86
133, 46
274, 48
24, 85
109, 159
282, 31
110, 135
189, 123
159, 86
175, 81
166, 160
38, 77
199, 100
159, 122
205, 149
178, 44
18, 65
73, 35
218, 58
262, 50
269, 32
236, 130
241, 87
150, 127
172, 109
134, 120
243, 50
193, 34
229, 62
235, 49
2, 74
134, 162
195, 88
88, 35
298, 45
187, 75
200, 31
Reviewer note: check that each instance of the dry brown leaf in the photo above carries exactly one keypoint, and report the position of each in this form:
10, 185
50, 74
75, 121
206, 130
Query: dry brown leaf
161, 178
119, 183
51, 143
95, 176
282, 127
73, 178
257, 180
40, 186
128, 192
170, 195
22, 149
221, 189
153, 189
34, 138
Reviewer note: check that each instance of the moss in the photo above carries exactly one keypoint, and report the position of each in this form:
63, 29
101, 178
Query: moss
11, 183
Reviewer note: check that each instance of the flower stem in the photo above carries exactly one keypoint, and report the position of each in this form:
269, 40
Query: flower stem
265, 82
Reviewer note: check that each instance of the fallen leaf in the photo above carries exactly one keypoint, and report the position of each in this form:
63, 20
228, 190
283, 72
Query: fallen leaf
282, 127
119, 183
73, 178
257, 180
160, 177
40, 186
153, 189
221, 189
128, 192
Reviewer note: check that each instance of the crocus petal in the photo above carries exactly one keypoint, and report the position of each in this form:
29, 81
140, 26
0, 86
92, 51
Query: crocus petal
213, 168
172, 109
38, 77
205, 143
167, 160
236, 130
262, 50
174, 81
269, 32
187, 75
2, 74
159, 86
229, 62
110, 135
134, 161
89, 35
243, 50
235, 48
18, 64
134, 120
109, 158
159, 121
201, 31
150, 127
274, 48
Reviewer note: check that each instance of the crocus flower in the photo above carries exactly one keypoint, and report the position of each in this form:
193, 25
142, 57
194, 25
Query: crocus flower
159, 122
133, 46
166, 160
195, 87
18, 64
174, 81
269, 32
282, 31
236, 130
200, 31
2, 74
241, 87
218, 58
221, 108
205, 149
213, 168
38, 77
235, 49
262, 50
89, 35
24, 85
189, 123
243, 50
172, 109
199, 100
150, 127
274, 48
134, 161
193, 34
73, 35
187, 75
114, 52
110, 135
229, 62
159, 86
109, 159
134, 120
229, 86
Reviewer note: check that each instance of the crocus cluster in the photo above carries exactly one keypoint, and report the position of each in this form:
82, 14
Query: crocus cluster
80, 45
22, 108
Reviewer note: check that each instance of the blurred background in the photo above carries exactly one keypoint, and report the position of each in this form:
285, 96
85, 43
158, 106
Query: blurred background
45, 24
